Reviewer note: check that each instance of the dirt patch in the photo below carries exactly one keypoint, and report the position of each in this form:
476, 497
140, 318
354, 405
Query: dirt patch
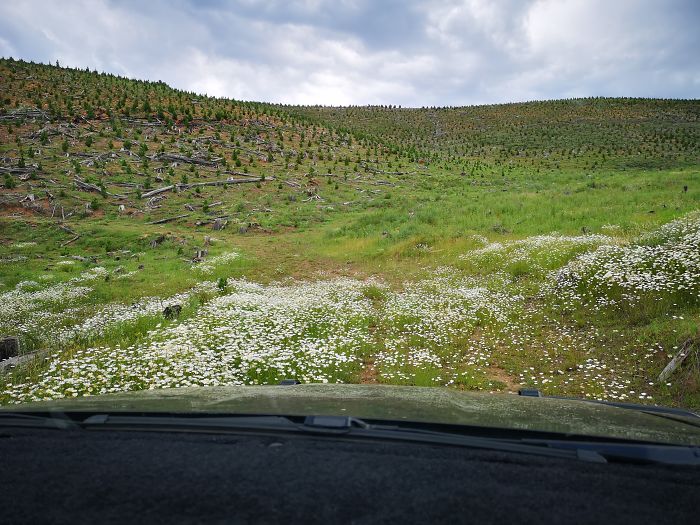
498, 374
17, 210
369, 372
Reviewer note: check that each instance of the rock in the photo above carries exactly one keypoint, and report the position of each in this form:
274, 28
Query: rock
9, 347
172, 311
243, 229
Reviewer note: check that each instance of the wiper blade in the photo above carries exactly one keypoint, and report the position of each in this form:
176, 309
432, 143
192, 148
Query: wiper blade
182, 422
647, 409
630, 452
330, 426
677, 418
54, 420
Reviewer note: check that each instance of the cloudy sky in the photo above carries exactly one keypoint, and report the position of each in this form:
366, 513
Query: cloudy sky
412, 53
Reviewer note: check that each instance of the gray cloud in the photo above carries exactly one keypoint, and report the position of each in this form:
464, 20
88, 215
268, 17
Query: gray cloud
443, 52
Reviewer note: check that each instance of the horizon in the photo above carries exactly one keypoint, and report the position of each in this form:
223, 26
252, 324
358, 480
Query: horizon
382, 106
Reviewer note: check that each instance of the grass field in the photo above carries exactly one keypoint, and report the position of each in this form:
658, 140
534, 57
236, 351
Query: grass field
552, 244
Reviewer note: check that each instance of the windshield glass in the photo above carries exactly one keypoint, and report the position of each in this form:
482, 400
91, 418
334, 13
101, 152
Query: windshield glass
463, 196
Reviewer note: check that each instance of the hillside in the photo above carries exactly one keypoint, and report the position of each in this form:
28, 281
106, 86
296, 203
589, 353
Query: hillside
547, 244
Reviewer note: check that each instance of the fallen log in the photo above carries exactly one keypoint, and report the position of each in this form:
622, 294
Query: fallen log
151, 193
223, 182
676, 361
23, 113
86, 186
169, 219
18, 171
171, 157
382, 172
181, 186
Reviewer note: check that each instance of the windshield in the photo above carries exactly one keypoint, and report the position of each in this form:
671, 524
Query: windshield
466, 197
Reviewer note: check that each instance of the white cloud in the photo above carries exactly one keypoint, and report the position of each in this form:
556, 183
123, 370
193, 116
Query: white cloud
444, 52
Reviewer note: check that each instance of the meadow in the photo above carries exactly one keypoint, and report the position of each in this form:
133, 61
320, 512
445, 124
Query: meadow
553, 245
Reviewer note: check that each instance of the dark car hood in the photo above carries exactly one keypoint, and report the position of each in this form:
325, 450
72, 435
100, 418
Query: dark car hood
420, 404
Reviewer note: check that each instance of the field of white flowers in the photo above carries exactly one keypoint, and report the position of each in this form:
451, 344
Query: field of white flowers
660, 267
450, 329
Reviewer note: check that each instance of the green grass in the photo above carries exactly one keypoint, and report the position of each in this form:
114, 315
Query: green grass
358, 192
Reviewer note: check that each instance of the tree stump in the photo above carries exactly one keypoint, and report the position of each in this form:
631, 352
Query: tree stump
155, 242
9, 347
172, 311
219, 224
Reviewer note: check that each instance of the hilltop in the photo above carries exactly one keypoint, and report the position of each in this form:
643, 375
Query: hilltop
460, 246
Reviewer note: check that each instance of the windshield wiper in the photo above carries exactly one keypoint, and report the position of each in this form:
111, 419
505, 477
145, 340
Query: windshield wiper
54, 420
347, 427
629, 452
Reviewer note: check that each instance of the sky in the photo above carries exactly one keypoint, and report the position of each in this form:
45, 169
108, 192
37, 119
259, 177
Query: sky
345, 52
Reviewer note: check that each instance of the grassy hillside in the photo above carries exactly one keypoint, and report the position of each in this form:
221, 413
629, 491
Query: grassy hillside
549, 244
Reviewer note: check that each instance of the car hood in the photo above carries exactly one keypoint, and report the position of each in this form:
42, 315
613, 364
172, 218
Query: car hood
400, 403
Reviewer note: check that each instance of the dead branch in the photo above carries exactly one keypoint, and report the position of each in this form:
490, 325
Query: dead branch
67, 229
70, 241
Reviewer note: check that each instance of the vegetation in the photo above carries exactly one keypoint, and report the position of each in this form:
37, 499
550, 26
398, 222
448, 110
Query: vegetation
547, 244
